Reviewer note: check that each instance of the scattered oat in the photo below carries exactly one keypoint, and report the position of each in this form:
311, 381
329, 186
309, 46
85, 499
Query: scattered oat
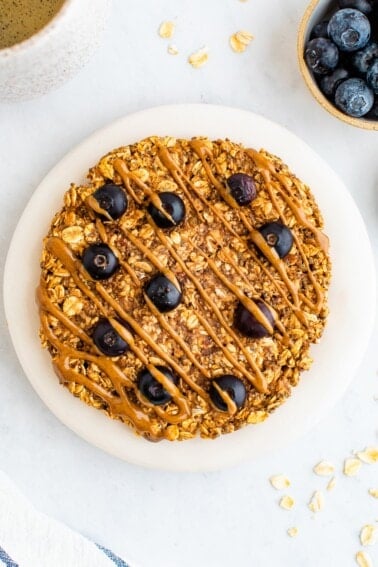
363, 559
317, 502
292, 532
331, 485
369, 456
324, 469
167, 30
352, 466
287, 502
279, 482
72, 306
373, 492
240, 40
72, 234
172, 50
369, 535
199, 58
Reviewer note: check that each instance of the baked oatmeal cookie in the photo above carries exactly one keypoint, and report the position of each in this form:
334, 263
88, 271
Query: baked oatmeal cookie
182, 286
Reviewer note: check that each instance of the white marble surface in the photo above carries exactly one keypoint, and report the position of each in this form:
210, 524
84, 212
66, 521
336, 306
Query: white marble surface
206, 520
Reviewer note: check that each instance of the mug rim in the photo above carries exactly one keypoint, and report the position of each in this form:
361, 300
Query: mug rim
35, 39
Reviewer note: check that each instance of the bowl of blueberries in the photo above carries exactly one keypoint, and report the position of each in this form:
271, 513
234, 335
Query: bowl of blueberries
338, 57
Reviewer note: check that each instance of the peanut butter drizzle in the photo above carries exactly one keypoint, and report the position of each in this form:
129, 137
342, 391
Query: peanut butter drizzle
92, 203
203, 153
248, 303
154, 198
175, 171
265, 166
181, 179
57, 247
259, 380
266, 169
152, 258
118, 406
212, 334
316, 307
163, 322
232, 408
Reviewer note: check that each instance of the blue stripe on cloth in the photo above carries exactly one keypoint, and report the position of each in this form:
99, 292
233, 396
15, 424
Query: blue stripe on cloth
116, 560
4, 558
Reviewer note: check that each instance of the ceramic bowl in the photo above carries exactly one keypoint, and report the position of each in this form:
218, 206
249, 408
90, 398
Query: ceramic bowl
315, 12
55, 53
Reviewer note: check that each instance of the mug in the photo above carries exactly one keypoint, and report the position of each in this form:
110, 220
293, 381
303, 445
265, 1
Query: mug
55, 53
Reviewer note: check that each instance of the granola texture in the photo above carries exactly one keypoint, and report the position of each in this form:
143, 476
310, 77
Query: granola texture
203, 236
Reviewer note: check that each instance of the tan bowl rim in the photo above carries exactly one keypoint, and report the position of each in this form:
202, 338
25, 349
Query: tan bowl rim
311, 84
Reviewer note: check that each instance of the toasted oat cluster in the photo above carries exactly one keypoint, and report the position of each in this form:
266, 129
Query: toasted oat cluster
182, 286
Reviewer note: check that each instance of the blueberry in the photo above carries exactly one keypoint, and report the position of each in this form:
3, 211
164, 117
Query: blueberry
349, 29
247, 323
163, 293
372, 76
233, 386
112, 199
320, 30
242, 188
364, 6
329, 83
152, 389
364, 58
278, 236
174, 206
373, 114
100, 262
354, 97
321, 55
107, 340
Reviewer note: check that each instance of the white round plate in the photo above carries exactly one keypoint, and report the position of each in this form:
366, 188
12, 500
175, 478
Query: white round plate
351, 299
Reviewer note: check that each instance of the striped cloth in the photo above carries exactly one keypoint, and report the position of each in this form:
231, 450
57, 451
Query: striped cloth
31, 539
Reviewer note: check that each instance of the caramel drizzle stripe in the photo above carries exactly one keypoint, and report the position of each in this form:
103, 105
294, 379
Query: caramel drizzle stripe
43, 300
124, 174
203, 152
111, 369
152, 258
184, 411
104, 237
121, 168
250, 286
259, 380
178, 397
178, 339
231, 406
181, 179
248, 303
163, 322
177, 173
119, 407
57, 247
179, 176
264, 164
316, 307
210, 331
